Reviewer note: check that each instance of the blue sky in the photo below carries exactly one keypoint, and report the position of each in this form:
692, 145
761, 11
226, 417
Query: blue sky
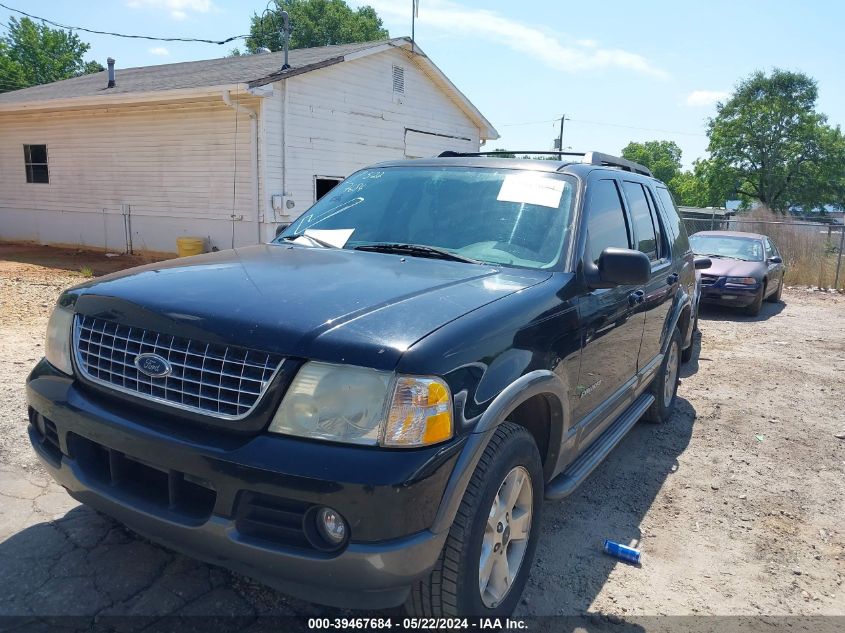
620, 71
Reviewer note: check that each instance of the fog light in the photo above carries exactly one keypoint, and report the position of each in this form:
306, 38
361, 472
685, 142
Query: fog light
331, 526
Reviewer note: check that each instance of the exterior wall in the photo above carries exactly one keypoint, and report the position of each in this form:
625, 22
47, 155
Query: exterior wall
173, 164
338, 119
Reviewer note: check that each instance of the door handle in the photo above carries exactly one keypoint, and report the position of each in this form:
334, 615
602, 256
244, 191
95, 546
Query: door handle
672, 279
638, 296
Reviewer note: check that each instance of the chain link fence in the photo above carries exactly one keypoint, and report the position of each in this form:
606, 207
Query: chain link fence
811, 251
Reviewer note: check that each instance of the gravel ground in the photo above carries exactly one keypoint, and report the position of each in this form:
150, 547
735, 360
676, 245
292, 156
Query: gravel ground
738, 504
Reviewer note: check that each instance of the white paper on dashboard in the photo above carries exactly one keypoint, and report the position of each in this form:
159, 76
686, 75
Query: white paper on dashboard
335, 237
531, 189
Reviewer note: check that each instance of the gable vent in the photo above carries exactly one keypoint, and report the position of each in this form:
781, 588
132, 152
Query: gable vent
399, 79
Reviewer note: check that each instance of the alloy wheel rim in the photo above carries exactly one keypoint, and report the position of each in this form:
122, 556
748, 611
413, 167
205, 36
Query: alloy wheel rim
671, 374
505, 537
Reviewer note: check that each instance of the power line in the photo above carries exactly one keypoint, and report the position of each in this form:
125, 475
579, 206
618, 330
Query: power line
135, 37
634, 127
619, 125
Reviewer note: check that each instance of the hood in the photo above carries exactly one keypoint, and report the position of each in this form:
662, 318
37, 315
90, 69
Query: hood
329, 304
726, 267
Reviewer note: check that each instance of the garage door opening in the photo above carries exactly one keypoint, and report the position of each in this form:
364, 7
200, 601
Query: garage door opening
324, 184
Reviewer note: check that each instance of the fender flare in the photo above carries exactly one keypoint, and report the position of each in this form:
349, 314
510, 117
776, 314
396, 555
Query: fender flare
673, 320
534, 383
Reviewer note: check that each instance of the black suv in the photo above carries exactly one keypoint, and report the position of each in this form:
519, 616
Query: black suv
369, 410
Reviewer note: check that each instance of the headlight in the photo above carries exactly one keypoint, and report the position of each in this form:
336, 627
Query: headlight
57, 347
343, 403
742, 281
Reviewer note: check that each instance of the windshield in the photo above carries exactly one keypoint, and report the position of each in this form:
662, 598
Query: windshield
744, 248
496, 216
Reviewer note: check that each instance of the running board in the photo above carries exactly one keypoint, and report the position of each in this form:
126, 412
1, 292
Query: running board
565, 483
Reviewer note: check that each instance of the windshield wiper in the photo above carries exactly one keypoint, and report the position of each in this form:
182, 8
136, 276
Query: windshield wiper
317, 241
416, 250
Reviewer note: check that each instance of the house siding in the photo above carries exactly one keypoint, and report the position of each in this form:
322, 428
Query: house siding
173, 164
176, 163
342, 118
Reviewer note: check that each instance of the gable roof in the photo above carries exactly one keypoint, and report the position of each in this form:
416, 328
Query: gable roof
252, 70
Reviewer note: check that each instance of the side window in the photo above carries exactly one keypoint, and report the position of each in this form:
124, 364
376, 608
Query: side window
645, 236
770, 251
606, 225
673, 218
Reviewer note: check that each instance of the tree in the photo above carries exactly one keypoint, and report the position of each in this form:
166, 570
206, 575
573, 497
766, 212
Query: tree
663, 158
315, 23
505, 153
772, 144
34, 54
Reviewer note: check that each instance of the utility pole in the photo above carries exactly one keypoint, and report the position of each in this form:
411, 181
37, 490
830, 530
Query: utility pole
560, 136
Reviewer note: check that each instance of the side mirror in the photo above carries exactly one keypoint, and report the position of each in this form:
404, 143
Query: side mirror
776, 260
281, 228
703, 263
619, 267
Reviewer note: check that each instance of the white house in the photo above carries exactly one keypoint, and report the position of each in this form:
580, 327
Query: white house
224, 149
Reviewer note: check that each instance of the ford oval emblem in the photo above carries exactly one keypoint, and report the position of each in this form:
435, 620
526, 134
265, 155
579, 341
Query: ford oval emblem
153, 365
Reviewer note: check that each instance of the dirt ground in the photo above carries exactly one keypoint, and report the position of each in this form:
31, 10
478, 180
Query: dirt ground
738, 504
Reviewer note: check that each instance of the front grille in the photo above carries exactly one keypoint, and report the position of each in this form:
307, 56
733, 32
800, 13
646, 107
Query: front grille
219, 380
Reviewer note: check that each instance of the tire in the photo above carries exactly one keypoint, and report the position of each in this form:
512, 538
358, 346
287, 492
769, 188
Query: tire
775, 296
661, 410
686, 355
453, 587
754, 308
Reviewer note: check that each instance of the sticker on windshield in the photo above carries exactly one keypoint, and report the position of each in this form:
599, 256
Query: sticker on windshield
531, 189
335, 237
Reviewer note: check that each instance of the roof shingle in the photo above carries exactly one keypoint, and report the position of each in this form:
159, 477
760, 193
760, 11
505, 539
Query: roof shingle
211, 72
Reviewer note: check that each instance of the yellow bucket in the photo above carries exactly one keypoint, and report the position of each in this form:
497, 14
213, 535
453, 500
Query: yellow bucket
187, 246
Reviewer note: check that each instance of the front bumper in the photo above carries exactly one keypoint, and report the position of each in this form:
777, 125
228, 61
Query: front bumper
722, 293
189, 493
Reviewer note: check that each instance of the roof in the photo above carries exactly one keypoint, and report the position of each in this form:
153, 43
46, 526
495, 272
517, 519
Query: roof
707, 212
209, 72
750, 236
252, 70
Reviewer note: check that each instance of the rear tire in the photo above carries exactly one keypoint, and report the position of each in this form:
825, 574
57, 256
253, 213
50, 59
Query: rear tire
754, 308
454, 586
664, 387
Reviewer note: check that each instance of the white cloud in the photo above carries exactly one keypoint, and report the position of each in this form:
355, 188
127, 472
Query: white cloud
698, 98
177, 9
161, 51
545, 47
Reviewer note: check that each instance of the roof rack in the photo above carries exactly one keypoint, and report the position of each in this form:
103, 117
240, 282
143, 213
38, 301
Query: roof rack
587, 158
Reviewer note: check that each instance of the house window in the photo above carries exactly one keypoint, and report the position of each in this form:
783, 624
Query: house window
324, 184
35, 162
399, 79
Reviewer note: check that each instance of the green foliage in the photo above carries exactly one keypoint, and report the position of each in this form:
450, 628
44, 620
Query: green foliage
34, 54
769, 141
663, 158
505, 154
315, 23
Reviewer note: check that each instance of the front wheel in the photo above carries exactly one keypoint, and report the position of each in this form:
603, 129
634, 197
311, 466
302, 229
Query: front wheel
485, 563
664, 387
775, 296
754, 308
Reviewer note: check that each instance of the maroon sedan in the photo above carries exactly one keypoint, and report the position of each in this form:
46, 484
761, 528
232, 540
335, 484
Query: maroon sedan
746, 269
